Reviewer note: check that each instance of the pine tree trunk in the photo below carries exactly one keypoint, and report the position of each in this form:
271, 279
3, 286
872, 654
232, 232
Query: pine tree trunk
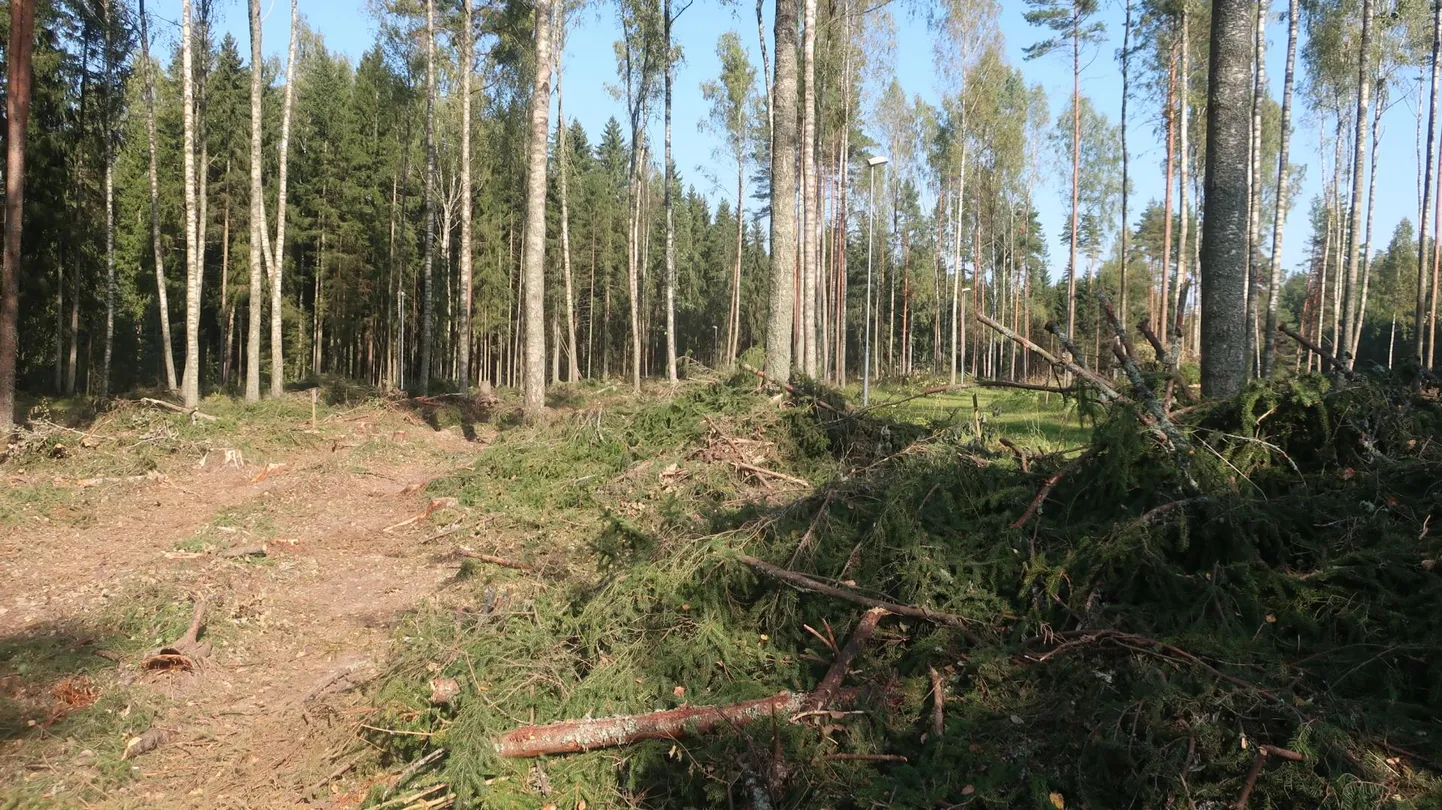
277, 277
148, 71
17, 115
1224, 229
1350, 298
190, 387
1253, 289
733, 313
535, 239
1429, 181
257, 210
428, 303
463, 359
809, 266
1274, 284
670, 216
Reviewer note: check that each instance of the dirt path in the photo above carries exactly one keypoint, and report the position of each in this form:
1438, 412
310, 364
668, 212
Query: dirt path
271, 713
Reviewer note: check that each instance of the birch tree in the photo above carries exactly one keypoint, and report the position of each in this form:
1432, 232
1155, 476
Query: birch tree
162, 300
190, 387
1274, 284
257, 210
277, 275
783, 196
534, 249
463, 333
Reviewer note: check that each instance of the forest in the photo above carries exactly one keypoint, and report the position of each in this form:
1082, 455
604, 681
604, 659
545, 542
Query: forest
606, 403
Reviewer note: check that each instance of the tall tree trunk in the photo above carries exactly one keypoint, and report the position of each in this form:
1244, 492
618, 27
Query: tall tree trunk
1279, 220
1350, 298
1377, 109
1429, 181
148, 72
1252, 289
535, 240
957, 327
277, 276
1224, 229
190, 386
669, 180
17, 115
463, 361
257, 210
1075, 167
564, 156
428, 304
733, 312
1126, 163
108, 155
810, 215
1184, 86
766, 68
1171, 118
783, 196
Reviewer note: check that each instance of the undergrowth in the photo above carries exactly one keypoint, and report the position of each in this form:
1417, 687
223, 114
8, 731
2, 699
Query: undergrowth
1131, 645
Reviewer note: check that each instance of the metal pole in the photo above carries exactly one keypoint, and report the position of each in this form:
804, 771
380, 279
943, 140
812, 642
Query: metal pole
866, 351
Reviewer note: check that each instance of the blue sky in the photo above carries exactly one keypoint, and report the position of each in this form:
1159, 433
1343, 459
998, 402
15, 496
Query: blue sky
590, 69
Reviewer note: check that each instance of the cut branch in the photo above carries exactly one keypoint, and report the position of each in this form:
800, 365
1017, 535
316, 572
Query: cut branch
494, 560
824, 691
806, 583
1263, 751
1334, 363
1101, 385
577, 736
1046, 488
762, 471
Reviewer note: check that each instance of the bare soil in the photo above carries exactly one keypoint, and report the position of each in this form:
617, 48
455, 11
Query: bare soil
270, 717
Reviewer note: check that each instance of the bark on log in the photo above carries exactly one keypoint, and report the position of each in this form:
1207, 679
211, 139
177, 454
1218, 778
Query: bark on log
195, 414
577, 736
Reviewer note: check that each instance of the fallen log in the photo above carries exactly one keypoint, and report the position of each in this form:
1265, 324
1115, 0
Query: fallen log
186, 652
244, 551
578, 736
195, 414
806, 583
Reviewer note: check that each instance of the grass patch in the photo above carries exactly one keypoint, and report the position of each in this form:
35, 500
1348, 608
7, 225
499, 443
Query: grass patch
59, 695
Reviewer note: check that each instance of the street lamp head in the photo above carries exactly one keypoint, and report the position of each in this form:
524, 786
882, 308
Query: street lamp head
878, 160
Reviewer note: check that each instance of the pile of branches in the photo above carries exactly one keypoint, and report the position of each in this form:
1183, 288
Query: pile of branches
1230, 603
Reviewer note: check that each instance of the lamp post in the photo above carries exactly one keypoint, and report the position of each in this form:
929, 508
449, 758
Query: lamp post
871, 164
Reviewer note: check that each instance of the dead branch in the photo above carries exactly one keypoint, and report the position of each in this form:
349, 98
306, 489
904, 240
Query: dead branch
822, 694
494, 560
195, 414
1263, 751
411, 770
1101, 385
762, 471
805, 541
806, 583
864, 758
1047, 485
938, 703
1021, 456
186, 651
1151, 646
577, 736
789, 389
431, 507
1168, 362
1153, 514
244, 551
1332, 362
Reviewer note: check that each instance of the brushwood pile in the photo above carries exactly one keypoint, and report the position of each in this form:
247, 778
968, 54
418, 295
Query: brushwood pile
1252, 619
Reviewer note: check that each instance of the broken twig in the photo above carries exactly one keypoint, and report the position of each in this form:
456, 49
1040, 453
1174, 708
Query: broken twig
494, 560
1263, 751
824, 691
1046, 488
